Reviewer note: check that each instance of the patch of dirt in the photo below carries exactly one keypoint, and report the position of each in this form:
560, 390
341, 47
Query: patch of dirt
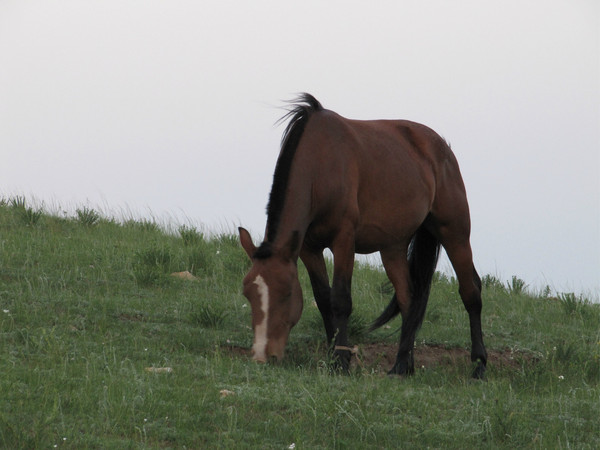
380, 357
239, 351
132, 317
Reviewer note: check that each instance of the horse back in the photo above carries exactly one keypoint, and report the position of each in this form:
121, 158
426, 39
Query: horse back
383, 176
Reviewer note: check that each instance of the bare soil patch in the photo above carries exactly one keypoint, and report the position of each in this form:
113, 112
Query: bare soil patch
132, 317
382, 356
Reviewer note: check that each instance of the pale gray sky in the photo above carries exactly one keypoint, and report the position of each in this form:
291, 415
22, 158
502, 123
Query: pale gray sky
169, 106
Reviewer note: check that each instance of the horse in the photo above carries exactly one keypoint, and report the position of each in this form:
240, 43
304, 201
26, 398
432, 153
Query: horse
356, 186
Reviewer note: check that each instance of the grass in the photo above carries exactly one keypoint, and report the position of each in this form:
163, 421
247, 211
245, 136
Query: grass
88, 305
87, 216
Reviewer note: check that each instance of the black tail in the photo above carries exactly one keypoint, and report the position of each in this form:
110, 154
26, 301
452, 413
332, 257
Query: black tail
423, 253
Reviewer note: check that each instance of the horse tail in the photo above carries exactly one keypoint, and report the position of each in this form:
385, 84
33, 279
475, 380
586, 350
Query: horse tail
423, 253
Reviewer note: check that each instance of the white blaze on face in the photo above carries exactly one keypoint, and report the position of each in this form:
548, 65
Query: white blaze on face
260, 332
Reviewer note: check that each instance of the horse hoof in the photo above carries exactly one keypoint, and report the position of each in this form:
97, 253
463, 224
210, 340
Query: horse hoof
400, 370
341, 362
392, 374
479, 372
339, 369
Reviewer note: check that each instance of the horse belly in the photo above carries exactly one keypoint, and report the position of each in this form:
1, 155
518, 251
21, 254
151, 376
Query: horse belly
395, 230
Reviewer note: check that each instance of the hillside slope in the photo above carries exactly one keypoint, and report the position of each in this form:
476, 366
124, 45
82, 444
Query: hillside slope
102, 347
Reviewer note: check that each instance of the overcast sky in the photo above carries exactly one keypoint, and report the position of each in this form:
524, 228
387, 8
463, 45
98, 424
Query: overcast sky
168, 108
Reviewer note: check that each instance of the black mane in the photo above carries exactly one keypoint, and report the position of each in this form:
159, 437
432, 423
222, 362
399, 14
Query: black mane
298, 114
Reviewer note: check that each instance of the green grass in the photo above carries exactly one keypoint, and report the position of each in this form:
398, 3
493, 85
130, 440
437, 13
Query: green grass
88, 305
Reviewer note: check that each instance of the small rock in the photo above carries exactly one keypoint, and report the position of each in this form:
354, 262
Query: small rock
159, 369
226, 393
185, 275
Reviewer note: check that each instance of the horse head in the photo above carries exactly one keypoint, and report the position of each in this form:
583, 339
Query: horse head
273, 290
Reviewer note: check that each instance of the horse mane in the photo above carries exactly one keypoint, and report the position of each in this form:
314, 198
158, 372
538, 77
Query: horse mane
299, 111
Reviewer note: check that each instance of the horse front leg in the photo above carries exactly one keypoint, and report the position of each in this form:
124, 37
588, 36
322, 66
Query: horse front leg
341, 300
319, 280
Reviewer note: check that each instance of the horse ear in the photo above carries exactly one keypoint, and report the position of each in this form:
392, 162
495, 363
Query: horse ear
292, 247
246, 241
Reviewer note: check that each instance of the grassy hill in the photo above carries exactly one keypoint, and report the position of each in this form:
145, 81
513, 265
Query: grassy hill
101, 347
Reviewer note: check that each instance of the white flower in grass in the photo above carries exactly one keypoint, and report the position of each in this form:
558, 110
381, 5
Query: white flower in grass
560, 377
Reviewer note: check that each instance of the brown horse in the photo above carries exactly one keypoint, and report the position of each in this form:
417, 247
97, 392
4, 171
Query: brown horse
359, 187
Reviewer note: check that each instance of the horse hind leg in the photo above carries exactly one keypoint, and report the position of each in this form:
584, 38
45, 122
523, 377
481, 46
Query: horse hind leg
412, 281
460, 256
396, 267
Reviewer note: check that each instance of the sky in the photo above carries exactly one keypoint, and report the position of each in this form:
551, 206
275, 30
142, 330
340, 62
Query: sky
167, 109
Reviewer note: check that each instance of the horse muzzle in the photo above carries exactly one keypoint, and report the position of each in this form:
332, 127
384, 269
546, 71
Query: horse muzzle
268, 352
